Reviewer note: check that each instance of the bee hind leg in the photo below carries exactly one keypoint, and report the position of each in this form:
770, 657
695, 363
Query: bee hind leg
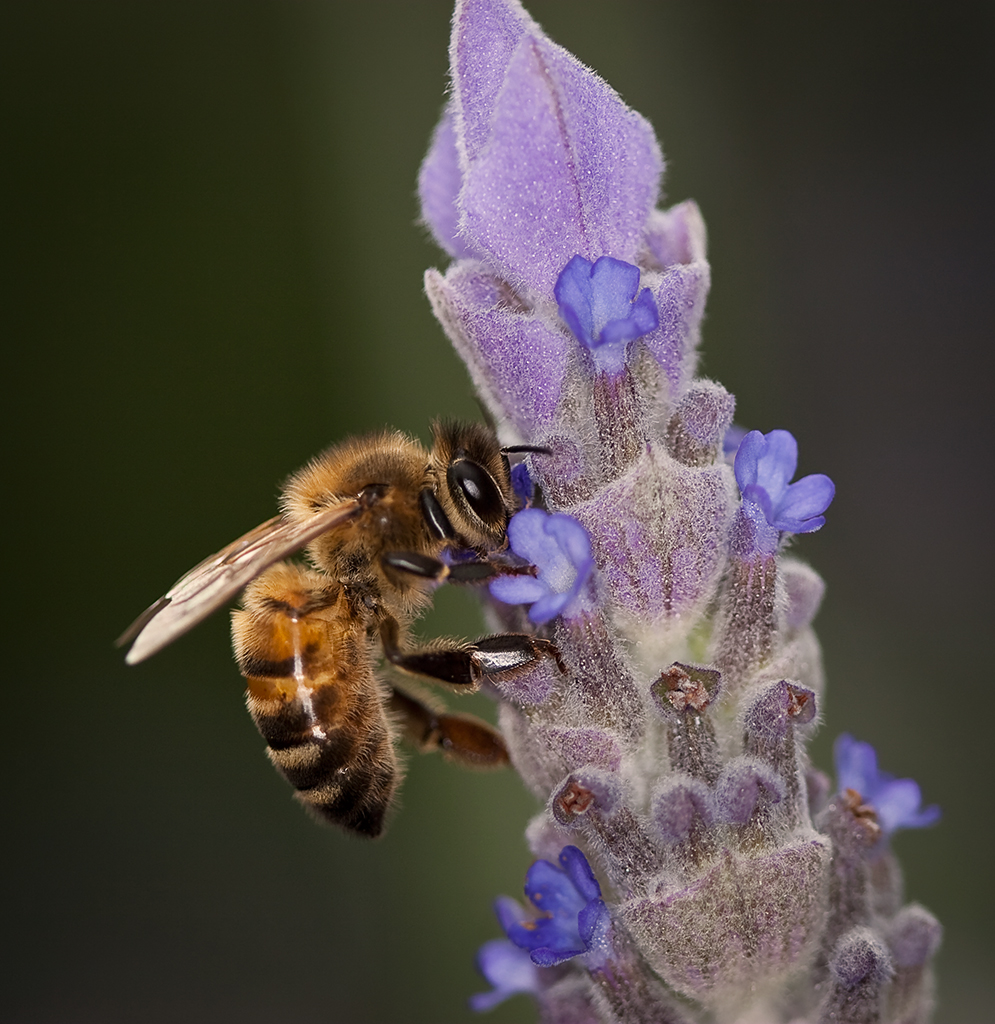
466, 739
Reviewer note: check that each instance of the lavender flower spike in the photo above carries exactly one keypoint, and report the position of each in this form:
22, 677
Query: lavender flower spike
665, 735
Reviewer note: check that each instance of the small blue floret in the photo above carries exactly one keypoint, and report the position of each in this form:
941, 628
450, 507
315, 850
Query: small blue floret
896, 802
765, 463
599, 303
573, 919
509, 969
560, 549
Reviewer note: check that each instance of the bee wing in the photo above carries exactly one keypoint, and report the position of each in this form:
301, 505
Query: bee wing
217, 579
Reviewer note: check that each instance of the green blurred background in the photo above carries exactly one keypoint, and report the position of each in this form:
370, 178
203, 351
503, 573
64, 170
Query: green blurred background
213, 271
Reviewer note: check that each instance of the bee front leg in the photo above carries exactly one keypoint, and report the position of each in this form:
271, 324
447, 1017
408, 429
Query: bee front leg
466, 739
466, 664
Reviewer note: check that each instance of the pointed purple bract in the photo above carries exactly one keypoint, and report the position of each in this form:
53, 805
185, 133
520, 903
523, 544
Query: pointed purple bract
552, 162
439, 182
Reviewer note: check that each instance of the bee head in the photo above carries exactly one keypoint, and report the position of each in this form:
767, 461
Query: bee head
474, 485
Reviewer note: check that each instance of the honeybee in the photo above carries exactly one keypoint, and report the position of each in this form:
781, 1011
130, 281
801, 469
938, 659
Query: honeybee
384, 521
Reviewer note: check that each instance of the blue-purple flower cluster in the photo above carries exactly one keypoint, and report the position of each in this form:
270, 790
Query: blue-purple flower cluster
691, 863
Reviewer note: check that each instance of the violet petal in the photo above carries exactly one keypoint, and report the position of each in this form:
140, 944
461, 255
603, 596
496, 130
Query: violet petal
508, 968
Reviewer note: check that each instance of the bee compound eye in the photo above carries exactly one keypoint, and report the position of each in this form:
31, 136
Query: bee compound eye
478, 490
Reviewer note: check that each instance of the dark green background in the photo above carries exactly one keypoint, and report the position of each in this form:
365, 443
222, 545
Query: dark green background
213, 271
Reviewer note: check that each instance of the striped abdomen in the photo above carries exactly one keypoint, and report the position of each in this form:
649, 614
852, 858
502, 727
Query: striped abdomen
314, 697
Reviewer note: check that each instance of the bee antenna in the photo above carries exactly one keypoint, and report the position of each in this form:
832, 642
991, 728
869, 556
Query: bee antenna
525, 449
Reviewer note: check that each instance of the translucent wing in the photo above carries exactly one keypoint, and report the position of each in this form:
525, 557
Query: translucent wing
219, 578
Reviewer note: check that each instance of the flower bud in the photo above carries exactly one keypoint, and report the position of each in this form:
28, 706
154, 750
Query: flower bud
859, 971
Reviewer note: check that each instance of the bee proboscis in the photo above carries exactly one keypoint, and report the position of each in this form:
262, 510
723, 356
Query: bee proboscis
384, 521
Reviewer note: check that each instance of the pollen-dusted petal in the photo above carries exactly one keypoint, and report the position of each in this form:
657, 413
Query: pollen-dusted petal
560, 549
521, 928
553, 161
517, 589
573, 540
439, 183
551, 890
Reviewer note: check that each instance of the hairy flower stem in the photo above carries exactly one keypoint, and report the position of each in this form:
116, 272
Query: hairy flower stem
618, 414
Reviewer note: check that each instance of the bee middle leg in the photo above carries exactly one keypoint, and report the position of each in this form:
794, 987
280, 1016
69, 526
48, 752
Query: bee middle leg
468, 664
